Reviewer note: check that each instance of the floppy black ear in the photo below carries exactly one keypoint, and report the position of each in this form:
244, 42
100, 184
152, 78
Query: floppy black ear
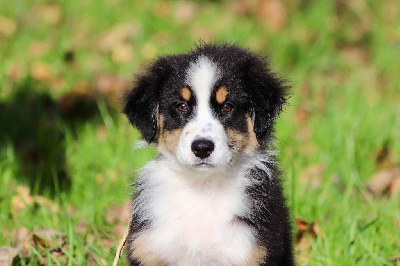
268, 94
142, 101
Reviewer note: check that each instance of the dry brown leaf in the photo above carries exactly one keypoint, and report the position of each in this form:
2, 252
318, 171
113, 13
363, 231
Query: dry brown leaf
311, 176
355, 54
272, 13
21, 200
16, 72
395, 187
185, 11
395, 259
41, 71
50, 13
110, 87
385, 157
244, 7
46, 203
302, 115
162, 9
380, 182
122, 53
305, 230
40, 242
7, 255
38, 48
8, 26
116, 35
118, 213
22, 238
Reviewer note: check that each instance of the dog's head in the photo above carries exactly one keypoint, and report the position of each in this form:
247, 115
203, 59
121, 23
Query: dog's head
207, 107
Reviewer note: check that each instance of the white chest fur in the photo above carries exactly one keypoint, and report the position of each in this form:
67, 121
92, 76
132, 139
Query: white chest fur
193, 218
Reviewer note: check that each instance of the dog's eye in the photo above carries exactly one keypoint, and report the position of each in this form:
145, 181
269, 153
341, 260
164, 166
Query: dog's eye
227, 107
182, 107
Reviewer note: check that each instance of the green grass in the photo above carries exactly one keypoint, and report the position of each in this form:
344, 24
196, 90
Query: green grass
352, 105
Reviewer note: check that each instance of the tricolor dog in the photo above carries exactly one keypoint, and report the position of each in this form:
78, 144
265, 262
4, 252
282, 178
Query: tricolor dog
213, 195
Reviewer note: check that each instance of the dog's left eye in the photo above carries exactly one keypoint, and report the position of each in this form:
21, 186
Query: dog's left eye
227, 107
182, 107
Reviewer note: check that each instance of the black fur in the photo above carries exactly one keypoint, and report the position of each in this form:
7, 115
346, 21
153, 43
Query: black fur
254, 91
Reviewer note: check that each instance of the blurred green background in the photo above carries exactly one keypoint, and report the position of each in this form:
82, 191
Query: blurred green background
66, 152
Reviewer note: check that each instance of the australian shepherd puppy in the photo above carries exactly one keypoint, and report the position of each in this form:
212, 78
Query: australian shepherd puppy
213, 195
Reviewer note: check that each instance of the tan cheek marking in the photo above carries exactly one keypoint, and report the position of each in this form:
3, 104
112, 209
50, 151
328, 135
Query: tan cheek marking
252, 142
239, 141
257, 256
186, 94
236, 139
168, 140
221, 95
140, 251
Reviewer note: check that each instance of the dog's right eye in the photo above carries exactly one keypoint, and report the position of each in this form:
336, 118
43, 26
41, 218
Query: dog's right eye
182, 107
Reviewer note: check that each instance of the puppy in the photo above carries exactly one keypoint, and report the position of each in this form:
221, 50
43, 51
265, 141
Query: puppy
213, 195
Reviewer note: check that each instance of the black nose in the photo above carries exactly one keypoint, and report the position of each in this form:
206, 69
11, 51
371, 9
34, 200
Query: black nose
202, 148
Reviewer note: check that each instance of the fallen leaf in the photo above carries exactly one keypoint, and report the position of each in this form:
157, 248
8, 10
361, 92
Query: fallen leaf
385, 157
40, 242
395, 187
41, 71
8, 26
302, 115
38, 48
50, 13
122, 53
162, 9
118, 213
311, 176
7, 255
305, 230
185, 11
22, 238
244, 7
381, 182
272, 13
81, 227
110, 87
16, 72
116, 35
355, 54
395, 259
21, 200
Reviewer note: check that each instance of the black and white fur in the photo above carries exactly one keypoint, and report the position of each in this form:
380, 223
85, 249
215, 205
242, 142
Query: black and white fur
213, 195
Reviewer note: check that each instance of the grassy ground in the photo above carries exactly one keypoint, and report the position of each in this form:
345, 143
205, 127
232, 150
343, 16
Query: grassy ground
341, 57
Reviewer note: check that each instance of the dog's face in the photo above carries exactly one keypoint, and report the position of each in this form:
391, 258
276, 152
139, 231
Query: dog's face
208, 107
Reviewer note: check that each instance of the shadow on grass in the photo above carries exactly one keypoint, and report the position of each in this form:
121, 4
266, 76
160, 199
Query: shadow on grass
34, 123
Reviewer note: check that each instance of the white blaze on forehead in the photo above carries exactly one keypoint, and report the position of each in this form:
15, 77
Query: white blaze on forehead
201, 77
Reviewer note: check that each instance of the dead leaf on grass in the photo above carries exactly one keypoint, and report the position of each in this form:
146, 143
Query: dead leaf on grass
117, 35
185, 11
122, 53
7, 255
38, 48
118, 213
395, 259
272, 13
42, 71
383, 181
385, 156
50, 13
305, 231
8, 26
311, 176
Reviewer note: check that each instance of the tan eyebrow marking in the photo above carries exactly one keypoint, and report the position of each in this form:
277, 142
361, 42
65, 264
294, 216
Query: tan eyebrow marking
186, 94
221, 94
